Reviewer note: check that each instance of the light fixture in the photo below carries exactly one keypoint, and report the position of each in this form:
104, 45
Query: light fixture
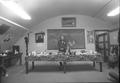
114, 12
9, 21
15, 8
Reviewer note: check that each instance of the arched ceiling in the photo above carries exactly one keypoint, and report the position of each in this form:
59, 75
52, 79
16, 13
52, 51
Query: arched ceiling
41, 10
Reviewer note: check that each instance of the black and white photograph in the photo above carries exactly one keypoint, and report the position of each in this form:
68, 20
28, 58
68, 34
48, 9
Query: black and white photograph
68, 22
59, 41
90, 37
39, 37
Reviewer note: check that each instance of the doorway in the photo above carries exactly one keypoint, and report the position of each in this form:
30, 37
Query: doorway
102, 43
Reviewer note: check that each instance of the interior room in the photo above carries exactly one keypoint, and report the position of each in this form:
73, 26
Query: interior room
49, 41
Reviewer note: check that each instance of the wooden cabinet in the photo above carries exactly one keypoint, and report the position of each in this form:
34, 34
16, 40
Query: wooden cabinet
11, 59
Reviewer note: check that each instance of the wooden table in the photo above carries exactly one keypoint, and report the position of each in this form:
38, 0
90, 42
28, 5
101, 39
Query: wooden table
64, 59
10, 58
3, 60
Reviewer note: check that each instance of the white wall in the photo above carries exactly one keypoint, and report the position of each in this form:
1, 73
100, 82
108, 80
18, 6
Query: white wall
114, 37
83, 22
14, 33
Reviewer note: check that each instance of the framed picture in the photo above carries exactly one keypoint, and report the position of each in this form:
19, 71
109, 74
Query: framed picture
68, 22
39, 37
90, 36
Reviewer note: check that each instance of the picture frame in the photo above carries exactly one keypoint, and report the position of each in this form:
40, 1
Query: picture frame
68, 22
39, 37
90, 36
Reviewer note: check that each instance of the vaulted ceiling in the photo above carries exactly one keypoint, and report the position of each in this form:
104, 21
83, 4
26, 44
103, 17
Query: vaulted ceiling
41, 10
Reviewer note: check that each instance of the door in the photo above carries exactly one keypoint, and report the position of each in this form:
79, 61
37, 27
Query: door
102, 45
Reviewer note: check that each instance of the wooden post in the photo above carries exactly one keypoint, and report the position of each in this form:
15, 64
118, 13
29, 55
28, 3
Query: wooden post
100, 66
64, 66
26, 64
32, 65
20, 57
93, 63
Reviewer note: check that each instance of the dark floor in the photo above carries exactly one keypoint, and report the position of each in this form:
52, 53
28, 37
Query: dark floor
47, 72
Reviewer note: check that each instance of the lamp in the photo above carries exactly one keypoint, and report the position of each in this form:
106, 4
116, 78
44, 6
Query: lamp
12, 5
114, 12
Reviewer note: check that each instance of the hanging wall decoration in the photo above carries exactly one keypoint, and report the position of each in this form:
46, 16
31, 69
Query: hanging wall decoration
90, 36
7, 38
68, 22
39, 37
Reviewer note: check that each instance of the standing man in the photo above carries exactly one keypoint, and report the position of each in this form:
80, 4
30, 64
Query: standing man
62, 44
62, 47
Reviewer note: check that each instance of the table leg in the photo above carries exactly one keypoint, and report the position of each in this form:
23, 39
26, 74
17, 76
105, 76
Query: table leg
32, 65
20, 60
64, 66
100, 66
26, 64
93, 63
60, 65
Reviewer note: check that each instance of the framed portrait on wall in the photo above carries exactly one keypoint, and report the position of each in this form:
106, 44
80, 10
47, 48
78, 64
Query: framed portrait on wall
90, 36
68, 22
39, 37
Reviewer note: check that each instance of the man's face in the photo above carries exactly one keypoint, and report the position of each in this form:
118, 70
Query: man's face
62, 37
